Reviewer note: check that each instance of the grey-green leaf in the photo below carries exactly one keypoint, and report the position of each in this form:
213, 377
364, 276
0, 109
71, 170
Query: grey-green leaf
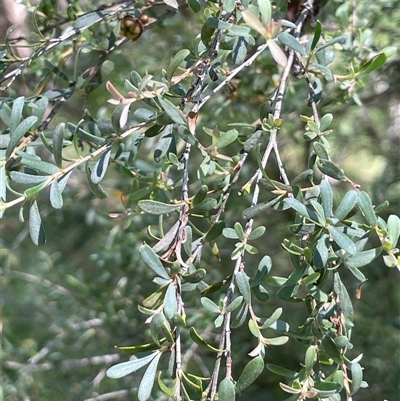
356, 377
342, 240
99, 170
242, 282
393, 230
209, 305
263, 269
361, 259
36, 229
176, 61
125, 368
330, 169
16, 113
151, 259
250, 373
170, 305
56, 199
19, 132
155, 207
58, 137
146, 385
346, 205
365, 203
289, 41
226, 390
173, 112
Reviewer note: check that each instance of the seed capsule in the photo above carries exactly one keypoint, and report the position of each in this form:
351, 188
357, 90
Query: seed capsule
131, 27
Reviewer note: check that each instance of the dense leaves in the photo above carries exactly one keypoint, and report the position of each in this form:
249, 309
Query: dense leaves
226, 206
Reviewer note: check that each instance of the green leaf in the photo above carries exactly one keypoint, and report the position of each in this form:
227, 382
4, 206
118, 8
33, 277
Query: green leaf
163, 143
227, 138
330, 169
253, 22
281, 371
342, 240
34, 191
276, 340
89, 19
363, 258
194, 5
199, 341
23, 178
326, 121
365, 203
326, 389
218, 23
320, 150
373, 63
266, 323
125, 368
289, 41
36, 229
317, 293
239, 231
302, 209
215, 231
317, 35
177, 60
327, 198
346, 205
264, 7
253, 211
393, 229
37, 164
263, 269
234, 304
356, 377
210, 305
194, 277
170, 302
226, 390
320, 256
310, 359
151, 259
100, 168
331, 349
147, 382
19, 132
56, 199
338, 39
173, 112
155, 207
251, 371
261, 293
345, 301
242, 282
241, 316
16, 113
57, 144
239, 52
257, 233
229, 233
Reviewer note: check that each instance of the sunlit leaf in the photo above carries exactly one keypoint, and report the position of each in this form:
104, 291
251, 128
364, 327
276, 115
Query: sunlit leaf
147, 382
125, 368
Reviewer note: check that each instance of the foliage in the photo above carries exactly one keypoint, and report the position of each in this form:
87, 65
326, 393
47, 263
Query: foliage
178, 145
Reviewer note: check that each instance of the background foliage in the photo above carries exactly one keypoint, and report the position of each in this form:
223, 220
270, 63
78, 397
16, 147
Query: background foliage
66, 304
